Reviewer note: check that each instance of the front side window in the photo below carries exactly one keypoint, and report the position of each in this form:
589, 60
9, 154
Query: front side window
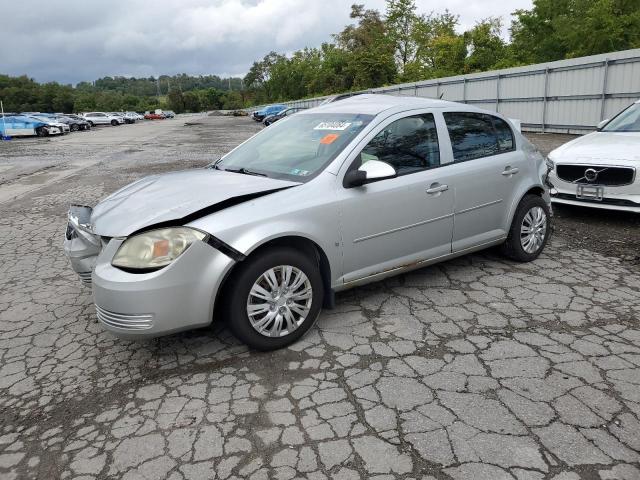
472, 135
409, 145
627, 121
297, 149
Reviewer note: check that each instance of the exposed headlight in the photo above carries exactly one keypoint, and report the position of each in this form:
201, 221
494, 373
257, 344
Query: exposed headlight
156, 248
550, 165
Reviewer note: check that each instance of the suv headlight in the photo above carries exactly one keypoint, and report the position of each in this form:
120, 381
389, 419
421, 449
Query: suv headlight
155, 249
550, 165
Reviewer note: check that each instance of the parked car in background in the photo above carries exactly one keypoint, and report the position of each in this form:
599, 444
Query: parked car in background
259, 115
101, 118
284, 113
347, 194
337, 98
127, 119
52, 121
153, 116
169, 113
24, 125
134, 115
600, 170
79, 119
75, 123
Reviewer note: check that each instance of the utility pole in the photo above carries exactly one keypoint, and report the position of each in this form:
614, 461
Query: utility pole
229, 83
158, 87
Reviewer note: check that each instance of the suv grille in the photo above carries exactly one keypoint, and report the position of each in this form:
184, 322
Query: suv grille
596, 174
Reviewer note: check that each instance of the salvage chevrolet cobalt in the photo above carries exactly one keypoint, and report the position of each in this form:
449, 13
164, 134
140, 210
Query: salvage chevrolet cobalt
333, 197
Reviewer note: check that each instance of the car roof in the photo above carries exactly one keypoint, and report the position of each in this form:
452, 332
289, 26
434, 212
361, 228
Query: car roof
374, 104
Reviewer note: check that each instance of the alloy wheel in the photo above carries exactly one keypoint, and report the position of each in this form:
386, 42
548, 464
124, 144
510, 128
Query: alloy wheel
279, 301
533, 229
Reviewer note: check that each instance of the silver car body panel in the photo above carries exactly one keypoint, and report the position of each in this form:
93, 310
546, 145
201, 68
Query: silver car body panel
365, 233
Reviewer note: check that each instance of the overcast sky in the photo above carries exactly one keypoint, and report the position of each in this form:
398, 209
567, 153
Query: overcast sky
70, 40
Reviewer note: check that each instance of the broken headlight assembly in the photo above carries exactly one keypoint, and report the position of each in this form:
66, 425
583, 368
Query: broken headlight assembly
155, 249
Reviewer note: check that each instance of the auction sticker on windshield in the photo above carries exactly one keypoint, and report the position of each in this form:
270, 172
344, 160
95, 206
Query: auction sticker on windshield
332, 126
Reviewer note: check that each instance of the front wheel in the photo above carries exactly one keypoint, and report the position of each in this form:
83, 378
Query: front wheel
529, 230
114, 122
41, 132
74, 127
273, 299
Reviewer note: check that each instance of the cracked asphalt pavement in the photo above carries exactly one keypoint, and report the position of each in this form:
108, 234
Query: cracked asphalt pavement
477, 368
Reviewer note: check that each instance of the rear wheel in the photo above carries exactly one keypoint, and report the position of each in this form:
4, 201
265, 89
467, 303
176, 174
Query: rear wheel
273, 299
74, 127
91, 124
529, 230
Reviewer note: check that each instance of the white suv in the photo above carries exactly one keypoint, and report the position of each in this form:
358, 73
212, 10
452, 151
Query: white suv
101, 118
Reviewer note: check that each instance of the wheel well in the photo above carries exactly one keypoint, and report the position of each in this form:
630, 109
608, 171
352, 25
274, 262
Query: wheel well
307, 246
539, 191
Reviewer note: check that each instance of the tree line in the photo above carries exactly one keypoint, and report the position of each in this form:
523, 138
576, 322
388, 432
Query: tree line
114, 94
403, 45
377, 49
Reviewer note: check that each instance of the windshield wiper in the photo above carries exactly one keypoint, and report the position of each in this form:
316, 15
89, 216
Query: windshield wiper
245, 171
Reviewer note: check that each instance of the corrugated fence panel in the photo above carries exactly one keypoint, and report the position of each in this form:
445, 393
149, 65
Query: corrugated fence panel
520, 86
586, 81
564, 96
624, 78
573, 112
526, 112
481, 89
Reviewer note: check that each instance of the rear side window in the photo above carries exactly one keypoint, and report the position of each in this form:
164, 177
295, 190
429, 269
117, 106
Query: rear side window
409, 144
476, 135
506, 142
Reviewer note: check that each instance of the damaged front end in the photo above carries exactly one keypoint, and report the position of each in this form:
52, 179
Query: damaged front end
81, 245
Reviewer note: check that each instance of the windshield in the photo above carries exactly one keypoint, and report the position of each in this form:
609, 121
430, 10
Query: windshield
297, 148
627, 121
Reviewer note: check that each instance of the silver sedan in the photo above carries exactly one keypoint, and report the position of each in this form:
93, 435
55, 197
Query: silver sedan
333, 197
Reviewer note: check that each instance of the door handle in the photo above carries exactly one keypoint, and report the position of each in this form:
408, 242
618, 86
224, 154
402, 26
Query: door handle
510, 171
437, 188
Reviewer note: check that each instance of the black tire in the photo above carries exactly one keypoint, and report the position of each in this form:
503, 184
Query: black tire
513, 247
91, 124
74, 127
41, 132
237, 288
114, 123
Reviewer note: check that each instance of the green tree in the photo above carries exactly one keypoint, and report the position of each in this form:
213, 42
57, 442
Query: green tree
175, 99
486, 48
402, 23
191, 102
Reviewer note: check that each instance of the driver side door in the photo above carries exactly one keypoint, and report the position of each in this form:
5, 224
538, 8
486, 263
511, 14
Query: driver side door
390, 223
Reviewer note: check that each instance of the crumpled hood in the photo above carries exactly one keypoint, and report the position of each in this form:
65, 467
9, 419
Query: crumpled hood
622, 147
174, 196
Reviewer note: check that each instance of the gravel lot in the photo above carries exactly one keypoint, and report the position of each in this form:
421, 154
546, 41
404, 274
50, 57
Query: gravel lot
477, 368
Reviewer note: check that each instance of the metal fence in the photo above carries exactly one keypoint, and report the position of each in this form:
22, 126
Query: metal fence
567, 96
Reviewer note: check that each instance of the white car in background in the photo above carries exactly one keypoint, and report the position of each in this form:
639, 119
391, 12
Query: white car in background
600, 170
52, 122
101, 118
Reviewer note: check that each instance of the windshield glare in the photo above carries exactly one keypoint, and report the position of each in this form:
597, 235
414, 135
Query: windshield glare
627, 121
298, 147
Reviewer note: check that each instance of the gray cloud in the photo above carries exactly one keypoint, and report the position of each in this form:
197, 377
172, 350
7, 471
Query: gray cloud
74, 40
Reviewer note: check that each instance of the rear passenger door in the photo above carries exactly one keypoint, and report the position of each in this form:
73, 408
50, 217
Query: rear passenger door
486, 166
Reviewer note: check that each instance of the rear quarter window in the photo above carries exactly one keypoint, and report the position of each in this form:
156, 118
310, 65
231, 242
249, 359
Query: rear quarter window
477, 135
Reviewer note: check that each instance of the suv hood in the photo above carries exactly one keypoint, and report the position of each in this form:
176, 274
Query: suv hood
173, 197
597, 147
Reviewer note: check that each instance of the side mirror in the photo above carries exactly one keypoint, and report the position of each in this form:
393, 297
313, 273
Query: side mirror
369, 172
603, 123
